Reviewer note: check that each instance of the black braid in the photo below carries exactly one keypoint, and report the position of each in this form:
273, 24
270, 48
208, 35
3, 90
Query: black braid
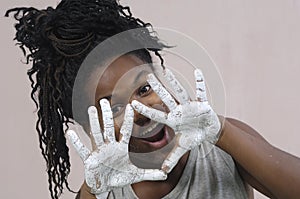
55, 42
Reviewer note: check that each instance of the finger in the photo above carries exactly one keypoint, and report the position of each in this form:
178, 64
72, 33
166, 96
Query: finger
200, 86
82, 150
151, 174
180, 92
160, 90
173, 158
95, 126
108, 122
127, 125
150, 113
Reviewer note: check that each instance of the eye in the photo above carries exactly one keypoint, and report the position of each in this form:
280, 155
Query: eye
144, 90
117, 109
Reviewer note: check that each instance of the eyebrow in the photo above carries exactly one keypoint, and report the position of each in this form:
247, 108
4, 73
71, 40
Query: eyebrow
139, 75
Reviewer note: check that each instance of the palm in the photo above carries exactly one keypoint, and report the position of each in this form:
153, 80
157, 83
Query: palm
108, 166
107, 159
193, 121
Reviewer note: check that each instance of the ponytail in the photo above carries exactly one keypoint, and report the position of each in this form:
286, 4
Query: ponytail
55, 42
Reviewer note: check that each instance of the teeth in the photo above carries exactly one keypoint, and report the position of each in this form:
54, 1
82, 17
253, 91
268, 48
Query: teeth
149, 129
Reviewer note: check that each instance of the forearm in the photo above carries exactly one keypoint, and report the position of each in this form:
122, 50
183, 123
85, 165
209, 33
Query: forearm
276, 170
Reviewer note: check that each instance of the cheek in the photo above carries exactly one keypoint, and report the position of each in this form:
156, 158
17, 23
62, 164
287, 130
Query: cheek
149, 100
155, 99
118, 121
100, 118
117, 132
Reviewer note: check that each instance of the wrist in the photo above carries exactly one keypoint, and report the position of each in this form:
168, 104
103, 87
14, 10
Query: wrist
220, 133
85, 192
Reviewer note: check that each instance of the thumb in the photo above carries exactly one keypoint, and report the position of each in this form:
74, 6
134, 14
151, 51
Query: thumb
152, 174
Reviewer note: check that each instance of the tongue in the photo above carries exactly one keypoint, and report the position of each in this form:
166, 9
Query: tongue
155, 137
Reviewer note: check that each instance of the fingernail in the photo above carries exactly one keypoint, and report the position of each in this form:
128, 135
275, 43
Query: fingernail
150, 76
92, 110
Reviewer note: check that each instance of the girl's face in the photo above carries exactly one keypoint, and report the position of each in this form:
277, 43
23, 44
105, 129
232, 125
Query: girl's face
123, 81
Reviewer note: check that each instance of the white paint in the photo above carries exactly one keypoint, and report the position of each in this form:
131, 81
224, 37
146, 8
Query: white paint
193, 121
108, 165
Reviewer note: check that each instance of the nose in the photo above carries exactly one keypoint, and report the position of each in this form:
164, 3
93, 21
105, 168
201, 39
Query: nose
152, 101
140, 120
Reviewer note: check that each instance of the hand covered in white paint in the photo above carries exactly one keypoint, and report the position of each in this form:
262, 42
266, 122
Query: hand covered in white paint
108, 166
193, 121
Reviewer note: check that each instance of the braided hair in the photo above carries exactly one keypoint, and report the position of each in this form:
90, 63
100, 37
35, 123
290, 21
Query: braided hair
55, 42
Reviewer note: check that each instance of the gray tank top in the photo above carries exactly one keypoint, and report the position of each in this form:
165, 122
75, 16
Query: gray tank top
209, 173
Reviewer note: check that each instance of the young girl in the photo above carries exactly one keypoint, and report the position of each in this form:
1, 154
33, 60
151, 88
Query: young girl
147, 143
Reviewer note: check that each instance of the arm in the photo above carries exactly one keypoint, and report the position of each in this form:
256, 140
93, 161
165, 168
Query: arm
247, 178
268, 169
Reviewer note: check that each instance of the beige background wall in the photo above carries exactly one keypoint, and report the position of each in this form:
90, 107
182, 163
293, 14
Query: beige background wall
255, 44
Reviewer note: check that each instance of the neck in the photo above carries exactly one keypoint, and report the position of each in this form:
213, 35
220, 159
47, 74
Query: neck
145, 189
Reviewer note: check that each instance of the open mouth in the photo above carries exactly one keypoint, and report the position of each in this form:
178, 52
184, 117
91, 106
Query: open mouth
155, 135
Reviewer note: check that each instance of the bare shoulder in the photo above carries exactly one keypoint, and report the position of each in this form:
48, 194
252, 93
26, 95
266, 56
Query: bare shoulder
244, 126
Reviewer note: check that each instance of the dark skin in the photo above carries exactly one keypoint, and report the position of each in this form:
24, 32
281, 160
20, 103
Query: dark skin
260, 164
268, 169
121, 85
